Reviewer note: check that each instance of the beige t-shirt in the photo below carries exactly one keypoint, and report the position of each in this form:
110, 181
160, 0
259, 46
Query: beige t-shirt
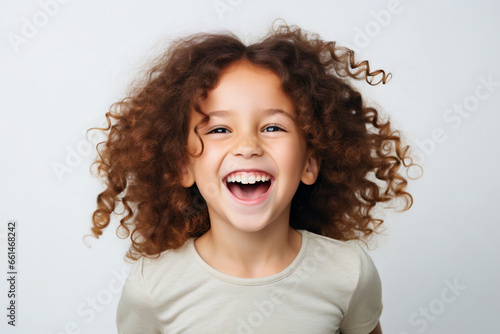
332, 286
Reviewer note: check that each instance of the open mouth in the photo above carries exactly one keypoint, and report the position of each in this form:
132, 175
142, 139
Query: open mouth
249, 191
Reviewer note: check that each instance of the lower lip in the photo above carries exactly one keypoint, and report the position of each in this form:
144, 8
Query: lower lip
256, 201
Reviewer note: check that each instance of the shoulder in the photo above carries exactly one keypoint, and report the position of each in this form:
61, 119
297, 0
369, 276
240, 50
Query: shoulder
347, 261
135, 307
347, 255
357, 284
165, 266
138, 306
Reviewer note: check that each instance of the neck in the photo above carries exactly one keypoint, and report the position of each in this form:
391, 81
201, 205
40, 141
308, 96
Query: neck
249, 254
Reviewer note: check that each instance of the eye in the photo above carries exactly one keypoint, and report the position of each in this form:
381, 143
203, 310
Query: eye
218, 130
275, 127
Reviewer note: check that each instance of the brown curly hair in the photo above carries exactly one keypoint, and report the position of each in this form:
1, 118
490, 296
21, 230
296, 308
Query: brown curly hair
147, 145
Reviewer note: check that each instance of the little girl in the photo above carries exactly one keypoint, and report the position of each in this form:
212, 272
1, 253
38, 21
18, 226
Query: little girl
248, 172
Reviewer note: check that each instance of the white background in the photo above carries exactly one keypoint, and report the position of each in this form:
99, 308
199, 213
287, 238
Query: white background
64, 75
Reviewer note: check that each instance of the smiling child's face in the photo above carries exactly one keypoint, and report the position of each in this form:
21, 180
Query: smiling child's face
248, 135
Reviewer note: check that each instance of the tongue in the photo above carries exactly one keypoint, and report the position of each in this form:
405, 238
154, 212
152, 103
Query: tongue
248, 191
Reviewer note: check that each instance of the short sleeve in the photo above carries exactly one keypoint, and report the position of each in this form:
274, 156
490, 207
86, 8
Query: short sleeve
365, 306
135, 313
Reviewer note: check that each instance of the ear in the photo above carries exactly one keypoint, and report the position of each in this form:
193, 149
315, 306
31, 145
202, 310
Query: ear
187, 176
311, 169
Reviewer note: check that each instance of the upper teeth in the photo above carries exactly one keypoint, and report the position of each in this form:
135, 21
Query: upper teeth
248, 178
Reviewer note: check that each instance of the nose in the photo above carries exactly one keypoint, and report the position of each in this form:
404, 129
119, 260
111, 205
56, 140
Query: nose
247, 145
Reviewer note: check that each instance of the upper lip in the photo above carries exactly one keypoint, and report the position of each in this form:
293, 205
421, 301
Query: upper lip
247, 170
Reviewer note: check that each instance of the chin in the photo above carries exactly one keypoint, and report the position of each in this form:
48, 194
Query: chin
250, 228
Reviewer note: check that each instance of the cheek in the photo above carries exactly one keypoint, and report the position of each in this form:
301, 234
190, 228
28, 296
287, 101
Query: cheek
211, 157
207, 164
291, 155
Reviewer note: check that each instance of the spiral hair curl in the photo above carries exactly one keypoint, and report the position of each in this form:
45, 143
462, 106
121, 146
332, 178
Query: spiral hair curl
147, 145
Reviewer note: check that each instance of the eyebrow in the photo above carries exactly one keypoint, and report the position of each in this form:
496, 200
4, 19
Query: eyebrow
267, 112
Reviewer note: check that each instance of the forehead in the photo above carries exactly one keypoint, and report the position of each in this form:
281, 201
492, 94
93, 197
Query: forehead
244, 70
244, 85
